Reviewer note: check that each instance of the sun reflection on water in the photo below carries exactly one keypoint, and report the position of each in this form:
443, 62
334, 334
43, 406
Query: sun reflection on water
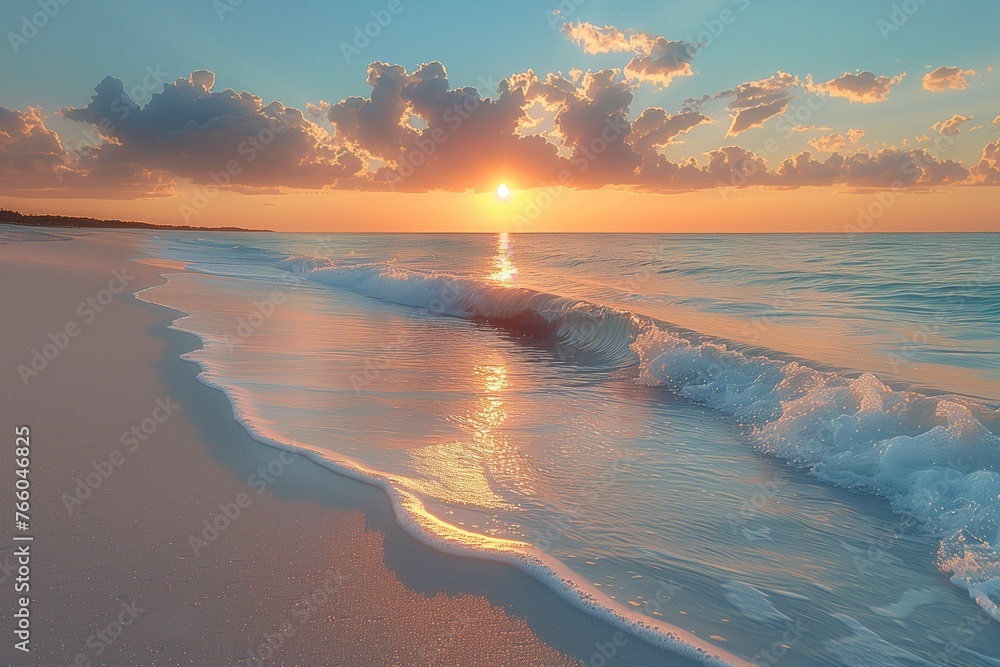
475, 471
504, 269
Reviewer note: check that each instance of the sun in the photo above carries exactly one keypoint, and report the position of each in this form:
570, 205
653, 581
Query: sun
503, 191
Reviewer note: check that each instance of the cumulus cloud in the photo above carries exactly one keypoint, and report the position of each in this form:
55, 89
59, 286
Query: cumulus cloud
947, 78
951, 127
888, 168
26, 145
592, 121
864, 87
34, 162
657, 59
987, 172
655, 129
192, 132
432, 136
416, 131
836, 141
593, 39
755, 102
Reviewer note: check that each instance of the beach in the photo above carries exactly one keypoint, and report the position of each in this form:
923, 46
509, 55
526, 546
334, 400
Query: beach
611, 335
281, 449
313, 571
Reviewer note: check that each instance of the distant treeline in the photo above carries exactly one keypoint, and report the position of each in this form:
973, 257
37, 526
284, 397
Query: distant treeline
16, 218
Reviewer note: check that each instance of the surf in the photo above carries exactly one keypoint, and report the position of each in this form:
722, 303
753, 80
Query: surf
935, 458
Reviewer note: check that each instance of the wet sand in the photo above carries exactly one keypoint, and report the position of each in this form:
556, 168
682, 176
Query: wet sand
308, 568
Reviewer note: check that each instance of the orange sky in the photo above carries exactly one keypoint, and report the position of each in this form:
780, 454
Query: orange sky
560, 210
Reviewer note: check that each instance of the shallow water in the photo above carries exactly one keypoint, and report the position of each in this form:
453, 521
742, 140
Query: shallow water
785, 445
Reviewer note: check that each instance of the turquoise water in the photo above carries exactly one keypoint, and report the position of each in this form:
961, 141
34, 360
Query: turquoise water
786, 446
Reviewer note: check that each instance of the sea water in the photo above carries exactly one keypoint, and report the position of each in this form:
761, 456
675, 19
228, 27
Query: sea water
784, 446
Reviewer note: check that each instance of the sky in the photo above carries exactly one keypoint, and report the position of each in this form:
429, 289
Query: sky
402, 115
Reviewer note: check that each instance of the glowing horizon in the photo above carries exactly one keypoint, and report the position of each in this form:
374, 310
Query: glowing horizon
604, 110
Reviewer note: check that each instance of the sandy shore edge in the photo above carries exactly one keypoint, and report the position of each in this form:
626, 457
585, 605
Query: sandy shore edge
393, 600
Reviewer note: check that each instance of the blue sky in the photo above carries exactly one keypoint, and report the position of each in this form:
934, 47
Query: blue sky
294, 53
291, 51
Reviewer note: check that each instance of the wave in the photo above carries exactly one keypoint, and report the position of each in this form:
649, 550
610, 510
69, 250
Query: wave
585, 328
936, 459
412, 517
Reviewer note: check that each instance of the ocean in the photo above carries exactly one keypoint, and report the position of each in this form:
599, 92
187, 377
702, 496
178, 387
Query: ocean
784, 446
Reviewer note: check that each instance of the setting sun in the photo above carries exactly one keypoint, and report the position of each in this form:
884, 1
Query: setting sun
544, 412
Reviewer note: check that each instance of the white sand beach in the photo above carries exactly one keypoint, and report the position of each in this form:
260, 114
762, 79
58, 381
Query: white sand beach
133, 459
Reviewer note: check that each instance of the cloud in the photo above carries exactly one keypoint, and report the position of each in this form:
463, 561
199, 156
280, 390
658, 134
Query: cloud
593, 39
951, 127
834, 142
594, 124
996, 121
34, 162
755, 102
26, 145
416, 131
987, 172
728, 166
864, 87
696, 104
432, 136
655, 129
889, 168
657, 60
945, 78
192, 132
375, 123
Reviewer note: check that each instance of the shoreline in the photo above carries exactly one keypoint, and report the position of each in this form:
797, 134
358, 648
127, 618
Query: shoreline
411, 518
682, 647
131, 544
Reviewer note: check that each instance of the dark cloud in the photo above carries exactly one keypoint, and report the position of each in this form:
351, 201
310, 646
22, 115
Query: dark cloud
415, 131
889, 168
192, 132
34, 163
951, 127
655, 129
463, 141
755, 102
987, 172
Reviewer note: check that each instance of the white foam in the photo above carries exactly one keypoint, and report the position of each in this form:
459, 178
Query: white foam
908, 603
864, 648
411, 515
752, 602
930, 456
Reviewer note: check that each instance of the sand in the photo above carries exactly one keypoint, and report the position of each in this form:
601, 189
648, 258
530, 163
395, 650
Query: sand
309, 568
